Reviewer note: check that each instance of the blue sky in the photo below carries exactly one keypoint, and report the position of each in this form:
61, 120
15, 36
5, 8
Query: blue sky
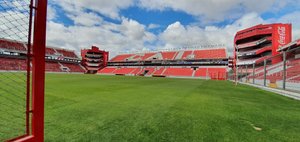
142, 25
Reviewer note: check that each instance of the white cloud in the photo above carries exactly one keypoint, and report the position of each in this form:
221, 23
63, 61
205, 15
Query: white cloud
177, 35
216, 10
86, 19
14, 25
130, 35
127, 36
153, 26
51, 13
109, 8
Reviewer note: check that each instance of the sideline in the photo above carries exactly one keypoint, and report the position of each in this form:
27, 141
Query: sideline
289, 94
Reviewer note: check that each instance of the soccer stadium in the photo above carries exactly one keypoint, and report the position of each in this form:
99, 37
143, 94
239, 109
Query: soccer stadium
58, 84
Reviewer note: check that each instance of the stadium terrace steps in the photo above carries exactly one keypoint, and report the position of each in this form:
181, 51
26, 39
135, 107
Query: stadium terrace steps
179, 55
187, 54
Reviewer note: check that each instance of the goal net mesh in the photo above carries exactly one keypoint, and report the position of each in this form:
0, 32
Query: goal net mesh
14, 64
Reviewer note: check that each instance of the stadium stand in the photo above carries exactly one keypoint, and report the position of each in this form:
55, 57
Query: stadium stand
218, 73
67, 53
121, 57
210, 63
259, 42
168, 55
186, 55
185, 72
8, 45
13, 53
12, 64
50, 51
210, 54
108, 70
124, 71
281, 75
218, 53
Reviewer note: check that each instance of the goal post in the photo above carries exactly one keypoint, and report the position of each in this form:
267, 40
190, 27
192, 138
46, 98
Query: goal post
22, 69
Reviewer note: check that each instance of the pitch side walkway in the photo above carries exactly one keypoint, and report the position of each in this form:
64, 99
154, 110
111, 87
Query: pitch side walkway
278, 91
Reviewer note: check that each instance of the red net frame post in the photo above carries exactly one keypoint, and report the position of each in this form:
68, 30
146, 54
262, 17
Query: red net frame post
38, 75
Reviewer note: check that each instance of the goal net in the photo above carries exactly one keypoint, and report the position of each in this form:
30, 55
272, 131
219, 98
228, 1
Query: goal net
16, 66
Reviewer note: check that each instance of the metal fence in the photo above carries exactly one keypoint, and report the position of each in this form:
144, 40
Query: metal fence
15, 26
281, 71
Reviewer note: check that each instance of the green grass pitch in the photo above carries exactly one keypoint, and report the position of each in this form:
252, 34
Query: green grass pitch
117, 108
140, 109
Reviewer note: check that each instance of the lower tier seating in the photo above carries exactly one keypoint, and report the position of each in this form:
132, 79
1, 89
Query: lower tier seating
219, 73
73, 67
12, 64
188, 72
15, 64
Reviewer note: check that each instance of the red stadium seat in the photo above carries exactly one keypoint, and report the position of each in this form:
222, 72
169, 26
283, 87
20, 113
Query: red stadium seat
184, 72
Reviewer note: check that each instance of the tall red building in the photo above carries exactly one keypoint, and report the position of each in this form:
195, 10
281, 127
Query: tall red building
255, 44
94, 59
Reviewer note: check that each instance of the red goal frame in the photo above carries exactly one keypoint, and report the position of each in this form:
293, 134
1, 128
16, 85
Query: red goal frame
35, 107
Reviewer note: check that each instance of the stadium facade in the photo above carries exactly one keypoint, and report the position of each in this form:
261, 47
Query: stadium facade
255, 44
94, 59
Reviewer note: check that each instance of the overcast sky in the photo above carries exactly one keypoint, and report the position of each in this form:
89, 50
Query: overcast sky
140, 25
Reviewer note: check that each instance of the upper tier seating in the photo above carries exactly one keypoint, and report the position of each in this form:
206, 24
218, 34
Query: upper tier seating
121, 58
210, 54
172, 55
186, 54
11, 45
67, 53
168, 55
50, 51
